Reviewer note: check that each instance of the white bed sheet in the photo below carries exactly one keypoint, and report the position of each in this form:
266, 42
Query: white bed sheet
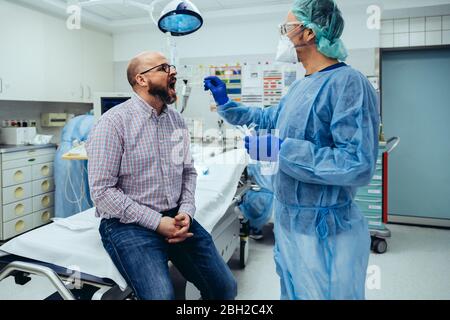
75, 243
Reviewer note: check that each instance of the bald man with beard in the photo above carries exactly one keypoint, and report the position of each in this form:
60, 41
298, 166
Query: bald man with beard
142, 180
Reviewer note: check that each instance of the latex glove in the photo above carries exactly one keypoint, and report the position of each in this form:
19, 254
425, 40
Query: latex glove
218, 89
263, 148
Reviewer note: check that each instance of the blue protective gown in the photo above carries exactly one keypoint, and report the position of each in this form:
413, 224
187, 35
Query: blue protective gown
329, 122
71, 180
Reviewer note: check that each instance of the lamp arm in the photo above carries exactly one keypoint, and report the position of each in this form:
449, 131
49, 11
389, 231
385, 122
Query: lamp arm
150, 8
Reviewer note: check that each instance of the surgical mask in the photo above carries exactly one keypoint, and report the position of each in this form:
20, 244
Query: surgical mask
286, 51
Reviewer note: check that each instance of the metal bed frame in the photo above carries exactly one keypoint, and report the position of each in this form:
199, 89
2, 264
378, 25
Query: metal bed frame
227, 235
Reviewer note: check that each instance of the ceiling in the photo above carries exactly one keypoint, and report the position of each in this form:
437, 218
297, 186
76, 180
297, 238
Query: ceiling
114, 15
119, 15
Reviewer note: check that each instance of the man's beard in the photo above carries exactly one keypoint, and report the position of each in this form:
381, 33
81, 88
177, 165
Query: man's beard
162, 93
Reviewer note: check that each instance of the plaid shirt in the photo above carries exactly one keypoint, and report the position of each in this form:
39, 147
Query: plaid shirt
140, 164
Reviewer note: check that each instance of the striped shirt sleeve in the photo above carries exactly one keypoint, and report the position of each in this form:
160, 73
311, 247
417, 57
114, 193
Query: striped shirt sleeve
187, 201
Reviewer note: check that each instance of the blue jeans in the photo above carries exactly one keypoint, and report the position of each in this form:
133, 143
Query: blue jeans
141, 255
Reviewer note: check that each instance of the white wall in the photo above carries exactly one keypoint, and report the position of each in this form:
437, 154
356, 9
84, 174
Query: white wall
42, 60
38, 51
236, 39
212, 40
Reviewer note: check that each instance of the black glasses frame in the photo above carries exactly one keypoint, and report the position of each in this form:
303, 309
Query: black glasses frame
165, 67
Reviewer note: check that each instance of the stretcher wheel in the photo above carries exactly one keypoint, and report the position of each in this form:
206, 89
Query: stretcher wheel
379, 245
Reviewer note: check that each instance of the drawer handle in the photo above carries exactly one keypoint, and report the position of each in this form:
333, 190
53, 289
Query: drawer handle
18, 193
31, 151
31, 160
45, 185
19, 209
45, 216
45, 201
18, 176
20, 225
367, 200
45, 170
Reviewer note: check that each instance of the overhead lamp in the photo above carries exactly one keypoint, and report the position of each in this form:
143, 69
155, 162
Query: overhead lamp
180, 18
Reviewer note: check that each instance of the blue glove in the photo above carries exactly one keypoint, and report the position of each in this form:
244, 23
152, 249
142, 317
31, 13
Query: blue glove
263, 148
218, 89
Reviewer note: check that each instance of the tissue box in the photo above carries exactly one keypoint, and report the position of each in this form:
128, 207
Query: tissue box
17, 136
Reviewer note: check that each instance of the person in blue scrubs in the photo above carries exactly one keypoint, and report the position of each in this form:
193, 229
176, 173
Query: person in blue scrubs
326, 148
257, 203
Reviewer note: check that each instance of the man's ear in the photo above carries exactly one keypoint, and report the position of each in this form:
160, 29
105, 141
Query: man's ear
309, 35
140, 80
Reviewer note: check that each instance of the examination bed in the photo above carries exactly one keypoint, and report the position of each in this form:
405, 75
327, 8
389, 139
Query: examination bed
69, 252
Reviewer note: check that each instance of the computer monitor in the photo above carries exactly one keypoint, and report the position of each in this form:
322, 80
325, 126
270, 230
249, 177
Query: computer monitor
105, 101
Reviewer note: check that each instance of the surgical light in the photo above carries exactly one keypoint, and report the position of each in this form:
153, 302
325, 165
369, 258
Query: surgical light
180, 18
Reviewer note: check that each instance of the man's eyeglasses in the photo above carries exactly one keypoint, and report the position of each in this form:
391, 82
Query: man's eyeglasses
286, 28
162, 67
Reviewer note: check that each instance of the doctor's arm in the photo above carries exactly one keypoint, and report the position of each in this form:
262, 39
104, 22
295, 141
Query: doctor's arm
236, 113
350, 161
105, 149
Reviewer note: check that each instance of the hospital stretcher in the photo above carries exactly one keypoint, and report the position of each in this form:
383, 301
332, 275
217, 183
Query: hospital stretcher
69, 252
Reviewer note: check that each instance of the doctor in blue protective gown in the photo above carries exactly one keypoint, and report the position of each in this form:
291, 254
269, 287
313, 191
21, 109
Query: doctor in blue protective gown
326, 148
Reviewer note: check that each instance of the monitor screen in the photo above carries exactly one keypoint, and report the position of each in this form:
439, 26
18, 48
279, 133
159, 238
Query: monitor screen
108, 103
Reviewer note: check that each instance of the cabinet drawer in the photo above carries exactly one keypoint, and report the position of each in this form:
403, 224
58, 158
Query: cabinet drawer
28, 154
28, 161
17, 193
374, 223
372, 190
43, 201
42, 186
378, 175
16, 176
43, 217
43, 170
370, 206
17, 226
17, 209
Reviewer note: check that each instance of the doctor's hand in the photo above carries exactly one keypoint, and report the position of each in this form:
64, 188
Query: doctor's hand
263, 148
183, 223
218, 89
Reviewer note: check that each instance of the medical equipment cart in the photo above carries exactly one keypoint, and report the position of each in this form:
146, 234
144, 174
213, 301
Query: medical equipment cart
373, 198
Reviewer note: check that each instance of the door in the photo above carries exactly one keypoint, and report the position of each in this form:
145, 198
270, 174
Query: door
416, 108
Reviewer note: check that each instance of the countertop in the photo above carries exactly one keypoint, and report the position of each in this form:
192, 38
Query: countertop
6, 148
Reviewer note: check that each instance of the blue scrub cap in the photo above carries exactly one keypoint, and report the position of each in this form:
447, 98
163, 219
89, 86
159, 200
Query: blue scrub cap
324, 18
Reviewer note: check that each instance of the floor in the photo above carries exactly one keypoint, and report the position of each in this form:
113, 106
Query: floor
416, 266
